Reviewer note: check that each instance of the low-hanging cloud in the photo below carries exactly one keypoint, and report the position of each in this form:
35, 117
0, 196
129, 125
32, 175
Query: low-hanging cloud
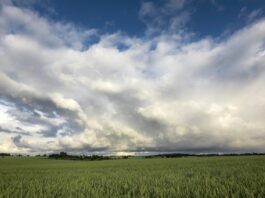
158, 94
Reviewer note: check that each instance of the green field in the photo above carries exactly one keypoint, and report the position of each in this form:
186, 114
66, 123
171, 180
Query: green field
211, 177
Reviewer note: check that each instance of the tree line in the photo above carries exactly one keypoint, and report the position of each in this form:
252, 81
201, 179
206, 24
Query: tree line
64, 155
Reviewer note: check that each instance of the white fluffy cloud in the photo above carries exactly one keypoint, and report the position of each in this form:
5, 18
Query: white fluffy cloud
158, 94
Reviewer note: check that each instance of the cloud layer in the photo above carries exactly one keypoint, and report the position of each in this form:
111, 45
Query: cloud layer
126, 94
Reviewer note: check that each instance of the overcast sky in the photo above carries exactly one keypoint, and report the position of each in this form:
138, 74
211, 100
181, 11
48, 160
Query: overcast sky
134, 77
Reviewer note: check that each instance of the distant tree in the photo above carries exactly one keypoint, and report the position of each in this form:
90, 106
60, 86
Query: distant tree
5, 154
63, 154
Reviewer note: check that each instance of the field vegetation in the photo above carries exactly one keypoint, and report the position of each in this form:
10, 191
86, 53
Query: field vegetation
227, 176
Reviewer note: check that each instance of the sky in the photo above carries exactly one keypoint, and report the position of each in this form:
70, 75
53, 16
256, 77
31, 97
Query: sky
132, 77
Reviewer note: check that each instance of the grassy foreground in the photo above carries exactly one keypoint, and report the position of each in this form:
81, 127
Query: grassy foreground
162, 177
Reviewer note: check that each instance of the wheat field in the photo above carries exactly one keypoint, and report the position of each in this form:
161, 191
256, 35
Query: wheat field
242, 176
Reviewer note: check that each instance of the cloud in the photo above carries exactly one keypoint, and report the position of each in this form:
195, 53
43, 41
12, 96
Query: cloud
46, 32
155, 95
167, 16
250, 16
217, 5
254, 14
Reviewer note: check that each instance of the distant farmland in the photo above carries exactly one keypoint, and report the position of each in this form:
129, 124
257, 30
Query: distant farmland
238, 176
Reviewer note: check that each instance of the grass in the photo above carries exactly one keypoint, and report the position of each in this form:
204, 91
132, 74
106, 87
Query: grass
211, 177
